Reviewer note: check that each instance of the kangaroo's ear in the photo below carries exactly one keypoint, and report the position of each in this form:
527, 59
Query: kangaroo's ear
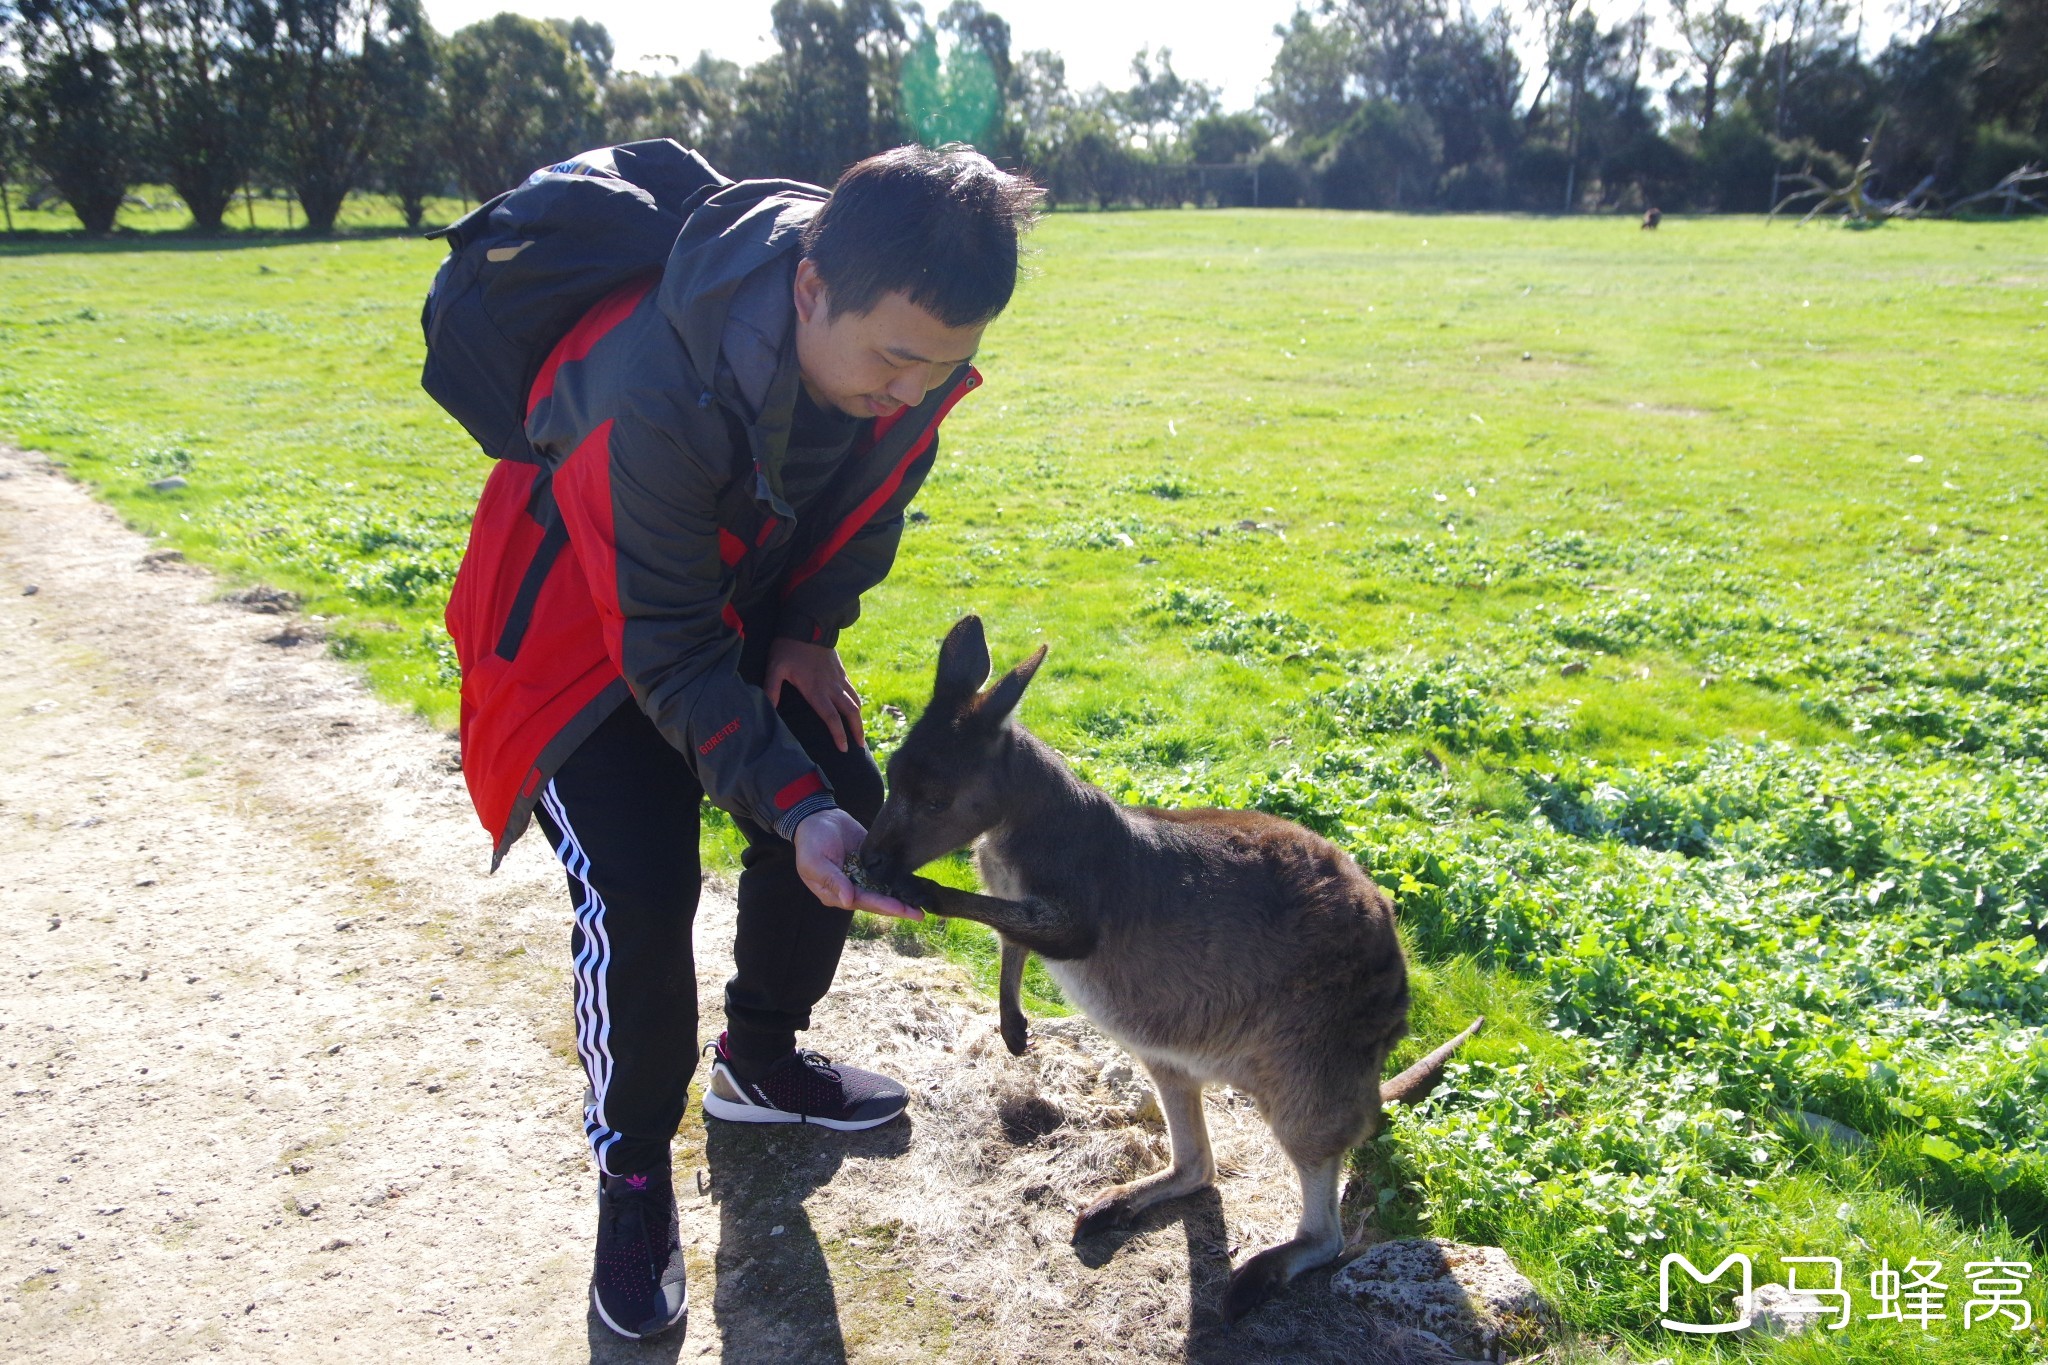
963, 664
993, 709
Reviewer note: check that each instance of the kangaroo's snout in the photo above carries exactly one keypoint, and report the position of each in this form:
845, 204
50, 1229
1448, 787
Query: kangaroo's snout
881, 866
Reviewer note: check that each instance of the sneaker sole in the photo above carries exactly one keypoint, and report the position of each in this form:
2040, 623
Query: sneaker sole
682, 1315
720, 1108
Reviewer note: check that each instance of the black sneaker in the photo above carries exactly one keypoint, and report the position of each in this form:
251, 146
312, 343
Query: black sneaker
636, 1282
803, 1088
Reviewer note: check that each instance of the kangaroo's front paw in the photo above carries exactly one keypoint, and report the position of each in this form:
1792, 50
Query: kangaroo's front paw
1252, 1283
1112, 1210
921, 892
1016, 1032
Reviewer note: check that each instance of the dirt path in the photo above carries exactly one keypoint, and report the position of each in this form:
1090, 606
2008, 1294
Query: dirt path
291, 1077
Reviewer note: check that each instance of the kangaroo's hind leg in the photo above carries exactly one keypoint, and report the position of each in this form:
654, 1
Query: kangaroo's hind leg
1316, 1242
1315, 1124
1193, 1168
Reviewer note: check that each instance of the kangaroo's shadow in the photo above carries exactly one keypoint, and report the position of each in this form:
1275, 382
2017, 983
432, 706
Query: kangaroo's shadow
775, 1300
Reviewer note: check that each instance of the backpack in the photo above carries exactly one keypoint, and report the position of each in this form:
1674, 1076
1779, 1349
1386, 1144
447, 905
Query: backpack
522, 268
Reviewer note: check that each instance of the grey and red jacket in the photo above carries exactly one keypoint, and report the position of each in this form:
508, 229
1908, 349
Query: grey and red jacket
652, 535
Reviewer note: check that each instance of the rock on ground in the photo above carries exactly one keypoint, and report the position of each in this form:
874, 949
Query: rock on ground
291, 1078
1775, 1311
1471, 1297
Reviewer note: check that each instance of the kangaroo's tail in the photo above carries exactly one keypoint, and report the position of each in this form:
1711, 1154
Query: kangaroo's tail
1417, 1081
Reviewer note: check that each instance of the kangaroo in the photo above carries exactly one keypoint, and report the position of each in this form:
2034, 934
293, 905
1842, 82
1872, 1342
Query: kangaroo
1216, 946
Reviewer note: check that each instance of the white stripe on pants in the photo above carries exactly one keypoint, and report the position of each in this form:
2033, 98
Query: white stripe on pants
593, 1009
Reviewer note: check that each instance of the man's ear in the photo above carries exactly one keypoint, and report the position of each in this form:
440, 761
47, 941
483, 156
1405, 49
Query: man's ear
963, 665
810, 292
995, 708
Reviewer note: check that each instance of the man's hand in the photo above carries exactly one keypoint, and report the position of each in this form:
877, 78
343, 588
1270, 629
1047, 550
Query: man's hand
823, 842
815, 671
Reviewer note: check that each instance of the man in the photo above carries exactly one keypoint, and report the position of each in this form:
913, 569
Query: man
647, 618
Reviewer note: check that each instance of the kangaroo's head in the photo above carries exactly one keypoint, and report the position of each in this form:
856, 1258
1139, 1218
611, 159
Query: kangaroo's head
945, 780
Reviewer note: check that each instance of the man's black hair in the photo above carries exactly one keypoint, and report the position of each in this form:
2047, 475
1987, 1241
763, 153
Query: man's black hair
940, 224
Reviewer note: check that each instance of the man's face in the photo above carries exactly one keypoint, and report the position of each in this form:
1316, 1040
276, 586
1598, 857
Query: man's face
878, 362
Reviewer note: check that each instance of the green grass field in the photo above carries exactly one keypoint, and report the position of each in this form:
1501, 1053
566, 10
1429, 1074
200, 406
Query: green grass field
1660, 615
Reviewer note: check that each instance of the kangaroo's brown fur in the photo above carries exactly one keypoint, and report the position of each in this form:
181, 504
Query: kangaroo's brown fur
1217, 946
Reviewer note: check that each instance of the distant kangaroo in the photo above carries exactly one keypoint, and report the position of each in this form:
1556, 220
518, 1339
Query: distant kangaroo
1651, 217
1215, 945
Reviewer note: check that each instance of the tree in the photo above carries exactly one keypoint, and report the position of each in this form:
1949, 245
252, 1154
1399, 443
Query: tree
590, 41
811, 110
330, 70
518, 98
1711, 32
1037, 94
1160, 105
1967, 101
83, 128
13, 140
637, 106
412, 160
1312, 89
1447, 79
1217, 138
1624, 159
973, 25
1085, 159
1577, 51
200, 95
1824, 92
1386, 156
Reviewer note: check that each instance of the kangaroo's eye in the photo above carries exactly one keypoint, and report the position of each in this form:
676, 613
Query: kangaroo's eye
935, 806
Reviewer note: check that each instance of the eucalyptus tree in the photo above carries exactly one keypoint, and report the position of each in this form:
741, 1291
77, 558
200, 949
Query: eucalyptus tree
639, 105
412, 162
518, 98
199, 93
333, 72
590, 41
1712, 31
1161, 103
1408, 100
829, 94
83, 128
1037, 92
13, 123
1314, 84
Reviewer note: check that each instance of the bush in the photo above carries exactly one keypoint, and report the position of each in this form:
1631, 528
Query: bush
1386, 155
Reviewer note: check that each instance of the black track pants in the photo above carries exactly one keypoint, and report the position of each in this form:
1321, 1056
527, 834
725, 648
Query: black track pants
622, 815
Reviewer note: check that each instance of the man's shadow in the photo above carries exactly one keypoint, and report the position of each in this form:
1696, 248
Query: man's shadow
775, 1299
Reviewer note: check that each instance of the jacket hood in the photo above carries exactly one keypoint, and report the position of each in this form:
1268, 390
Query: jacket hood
718, 291
726, 292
